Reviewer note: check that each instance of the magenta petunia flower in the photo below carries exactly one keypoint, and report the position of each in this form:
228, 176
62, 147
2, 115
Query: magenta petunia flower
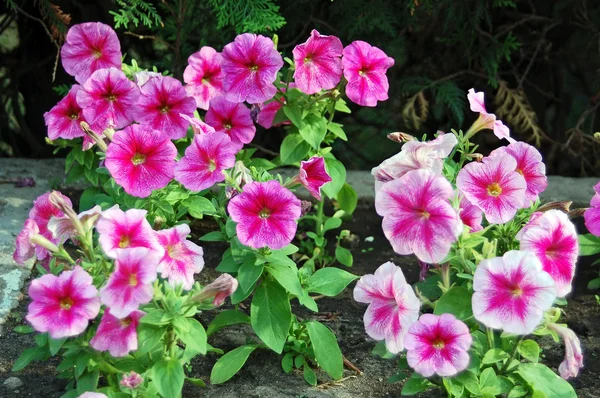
117, 336
121, 230
162, 100
417, 215
198, 126
365, 67
130, 284
512, 292
529, 165
470, 215
182, 258
90, 394
203, 76
592, 214
218, 290
88, 47
131, 380
204, 161
552, 237
494, 186
393, 305
268, 111
141, 159
486, 120
266, 214
249, 68
64, 118
108, 97
313, 175
318, 63
438, 345
232, 119
63, 305
30, 244
573, 361
43, 210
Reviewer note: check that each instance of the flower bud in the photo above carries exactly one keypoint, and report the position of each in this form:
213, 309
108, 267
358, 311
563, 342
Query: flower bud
400, 137
94, 136
475, 156
577, 212
305, 207
564, 206
218, 290
131, 380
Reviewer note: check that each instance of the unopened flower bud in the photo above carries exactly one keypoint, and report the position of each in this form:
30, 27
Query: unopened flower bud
400, 137
131, 380
241, 174
109, 132
218, 290
158, 222
475, 156
305, 207
562, 205
577, 212
94, 136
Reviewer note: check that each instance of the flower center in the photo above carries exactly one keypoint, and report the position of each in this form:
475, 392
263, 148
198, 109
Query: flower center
519, 171
516, 291
264, 213
425, 214
74, 116
124, 242
133, 280
212, 165
66, 303
438, 344
253, 68
361, 72
125, 322
111, 97
164, 109
308, 59
138, 159
96, 53
494, 189
227, 125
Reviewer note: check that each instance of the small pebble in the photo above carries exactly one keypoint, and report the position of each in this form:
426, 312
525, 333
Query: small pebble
12, 383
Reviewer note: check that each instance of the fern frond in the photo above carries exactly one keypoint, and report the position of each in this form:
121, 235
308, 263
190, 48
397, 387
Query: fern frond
61, 89
513, 106
134, 12
416, 110
451, 97
248, 16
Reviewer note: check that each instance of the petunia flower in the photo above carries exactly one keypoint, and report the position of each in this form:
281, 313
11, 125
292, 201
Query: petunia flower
470, 215
162, 100
365, 67
198, 126
552, 237
88, 47
64, 118
130, 284
121, 230
268, 111
393, 305
142, 77
141, 159
573, 361
63, 305
108, 97
203, 76
438, 345
182, 258
131, 380
41, 212
117, 336
218, 290
249, 68
90, 394
529, 165
494, 186
204, 161
417, 215
512, 292
30, 244
313, 175
63, 228
232, 119
318, 63
592, 214
486, 120
266, 215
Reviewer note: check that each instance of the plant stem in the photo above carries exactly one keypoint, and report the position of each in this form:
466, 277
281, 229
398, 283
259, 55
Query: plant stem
490, 336
512, 354
319, 220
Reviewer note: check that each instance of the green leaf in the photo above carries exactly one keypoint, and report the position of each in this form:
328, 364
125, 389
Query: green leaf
337, 172
414, 386
455, 389
494, 355
249, 272
517, 392
227, 318
344, 256
589, 245
287, 277
26, 357
156, 317
176, 195
313, 129
168, 377
287, 362
198, 206
338, 130
215, 236
430, 287
195, 338
88, 381
93, 196
309, 375
271, 315
55, 344
148, 337
455, 301
231, 363
23, 329
340, 106
326, 349
347, 198
194, 381
331, 223
329, 281
470, 381
529, 350
487, 378
294, 113
293, 149
542, 378
228, 263
594, 284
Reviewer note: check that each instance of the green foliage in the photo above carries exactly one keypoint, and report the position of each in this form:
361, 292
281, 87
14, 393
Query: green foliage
136, 12
248, 16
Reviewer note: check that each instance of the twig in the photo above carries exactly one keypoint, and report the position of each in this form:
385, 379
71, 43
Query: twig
528, 18
149, 37
351, 366
263, 149
335, 383
535, 53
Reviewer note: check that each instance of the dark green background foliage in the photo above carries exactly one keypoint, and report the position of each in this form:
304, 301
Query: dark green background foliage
537, 61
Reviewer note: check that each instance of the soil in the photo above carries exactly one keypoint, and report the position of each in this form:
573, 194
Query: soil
263, 376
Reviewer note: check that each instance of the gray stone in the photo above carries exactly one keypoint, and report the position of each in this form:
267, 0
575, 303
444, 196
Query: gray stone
12, 383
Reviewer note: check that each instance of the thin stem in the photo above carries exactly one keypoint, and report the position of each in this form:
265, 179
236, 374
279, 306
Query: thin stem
490, 336
512, 354
319, 220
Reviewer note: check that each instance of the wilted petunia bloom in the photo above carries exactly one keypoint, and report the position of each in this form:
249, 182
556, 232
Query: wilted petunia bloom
182, 258
365, 67
249, 68
198, 126
218, 290
486, 120
552, 237
417, 215
512, 292
438, 345
141, 159
470, 214
232, 119
203, 76
573, 361
117, 336
63, 305
494, 186
266, 214
204, 161
41, 212
64, 118
318, 63
393, 305
592, 215
131, 380
88, 47
63, 228
313, 175
162, 100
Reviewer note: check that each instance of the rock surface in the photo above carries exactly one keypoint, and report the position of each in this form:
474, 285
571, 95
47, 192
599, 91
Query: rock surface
12, 383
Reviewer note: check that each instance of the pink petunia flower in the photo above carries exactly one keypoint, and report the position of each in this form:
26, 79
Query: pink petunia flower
266, 214
393, 305
130, 284
512, 292
64, 118
117, 336
592, 214
486, 120
218, 290
494, 186
63, 305
198, 126
573, 355
365, 67
417, 215
529, 165
63, 228
313, 175
121, 230
141, 159
182, 258
470, 215
204, 161
318, 63
162, 100
131, 380
90, 394
108, 97
232, 119
438, 345
249, 68
203, 76
43, 210
88, 47
552, 237
30, 244
268, 111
